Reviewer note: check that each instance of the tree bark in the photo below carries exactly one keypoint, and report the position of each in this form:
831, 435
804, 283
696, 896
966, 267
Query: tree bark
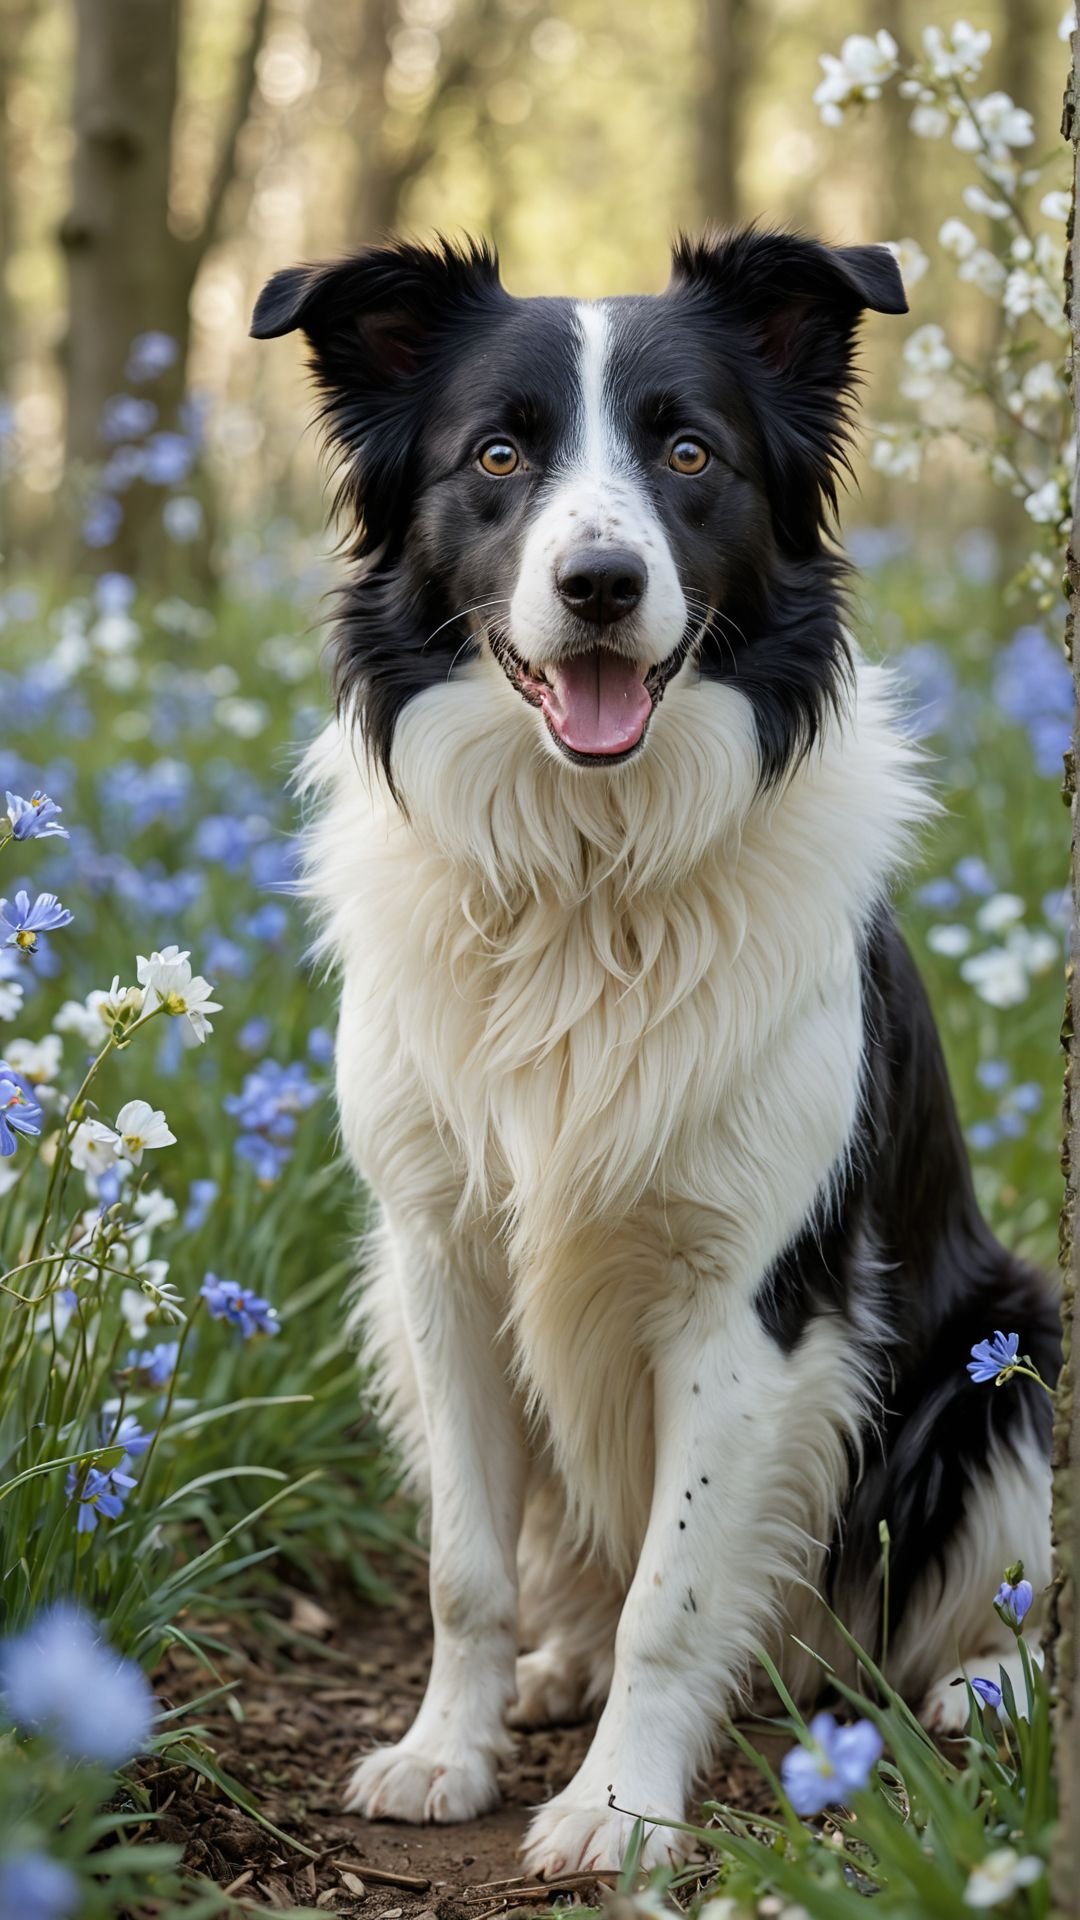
719, 141
120, 254
128, 271
1063, 1651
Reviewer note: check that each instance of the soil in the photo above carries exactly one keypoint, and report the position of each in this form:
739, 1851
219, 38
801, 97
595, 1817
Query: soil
317, 1684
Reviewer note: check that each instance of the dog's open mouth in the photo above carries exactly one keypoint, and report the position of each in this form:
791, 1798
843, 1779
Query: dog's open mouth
597, 704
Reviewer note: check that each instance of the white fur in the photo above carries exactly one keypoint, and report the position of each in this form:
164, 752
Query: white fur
595, 496
598, 1055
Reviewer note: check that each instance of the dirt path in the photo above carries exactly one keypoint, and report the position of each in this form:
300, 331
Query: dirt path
316, 1687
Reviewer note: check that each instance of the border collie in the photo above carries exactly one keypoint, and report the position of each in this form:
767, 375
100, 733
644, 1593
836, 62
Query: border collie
678, 1262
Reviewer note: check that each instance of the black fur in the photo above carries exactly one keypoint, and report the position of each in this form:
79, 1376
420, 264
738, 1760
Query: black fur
903, 1242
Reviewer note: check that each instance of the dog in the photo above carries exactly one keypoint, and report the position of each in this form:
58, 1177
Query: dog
678, 1261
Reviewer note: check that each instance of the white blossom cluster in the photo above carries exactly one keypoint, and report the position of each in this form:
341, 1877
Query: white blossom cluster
1012, 410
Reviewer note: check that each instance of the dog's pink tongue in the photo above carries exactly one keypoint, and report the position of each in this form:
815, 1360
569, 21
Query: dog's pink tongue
597, 702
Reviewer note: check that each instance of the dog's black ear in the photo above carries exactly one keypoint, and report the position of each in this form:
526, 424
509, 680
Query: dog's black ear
801, 300
381, 304
796, 305
373, 321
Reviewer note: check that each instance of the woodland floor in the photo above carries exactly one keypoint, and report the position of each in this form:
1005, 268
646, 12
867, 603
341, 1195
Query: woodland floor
318, 1684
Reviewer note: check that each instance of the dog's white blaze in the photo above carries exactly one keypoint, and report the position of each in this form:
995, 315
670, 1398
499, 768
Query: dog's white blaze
595, 497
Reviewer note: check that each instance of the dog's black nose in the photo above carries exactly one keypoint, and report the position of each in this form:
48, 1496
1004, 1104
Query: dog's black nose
601, 583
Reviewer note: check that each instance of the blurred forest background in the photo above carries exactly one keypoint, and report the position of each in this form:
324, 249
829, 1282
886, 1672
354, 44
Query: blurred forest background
161, 157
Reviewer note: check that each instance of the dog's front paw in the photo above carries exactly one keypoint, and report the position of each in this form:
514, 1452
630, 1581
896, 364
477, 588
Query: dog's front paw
567, 1837
409, 1783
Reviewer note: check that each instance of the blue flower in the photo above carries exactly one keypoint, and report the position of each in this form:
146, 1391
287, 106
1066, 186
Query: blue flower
247, 1311
33, 1887
838, 1763
1015, 1600
167, 459
126, 417
98, 1492
254, 1034
201, 1197
153, 1366
982, 1135
268, 922
1027, 1097
266, 1108
974, 875
994, 1359
149, 355
25, 922
320, 1046
19, 1111
62, 1678
114, 592
129, 1434
34, 819
993, 1074
102, 521
988, 1691
1033, 686
931, 679
942, 894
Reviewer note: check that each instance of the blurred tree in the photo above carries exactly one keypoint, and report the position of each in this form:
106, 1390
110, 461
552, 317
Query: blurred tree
721, 107
1064, 1630
129, 272
16, 17
393, 148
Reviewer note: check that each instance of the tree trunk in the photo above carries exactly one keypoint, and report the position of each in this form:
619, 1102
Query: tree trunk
1063, 1650
128, 272
724, 63
120, 254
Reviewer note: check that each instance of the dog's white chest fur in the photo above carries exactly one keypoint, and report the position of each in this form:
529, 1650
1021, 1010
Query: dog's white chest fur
605, 1032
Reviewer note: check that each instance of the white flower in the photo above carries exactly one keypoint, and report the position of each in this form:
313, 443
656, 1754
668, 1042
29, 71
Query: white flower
900, 459
957, 239
998, 976
93, 1147
910, 259
859, 74
141, 1128
929, 123
245, 718
1035, 948
999, 912
74, 1017
154, 1209
11, 999
984, 270
1055, 205
926, 351
977, 200
998, 1876
1047, 505
1066, 24
998, 122
37, 1060
961, 56
1042, 384
136, 1309
169, 983
115, 634
950, 940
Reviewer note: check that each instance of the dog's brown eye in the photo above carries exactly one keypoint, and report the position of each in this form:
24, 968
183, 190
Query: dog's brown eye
500, 458
688, 456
